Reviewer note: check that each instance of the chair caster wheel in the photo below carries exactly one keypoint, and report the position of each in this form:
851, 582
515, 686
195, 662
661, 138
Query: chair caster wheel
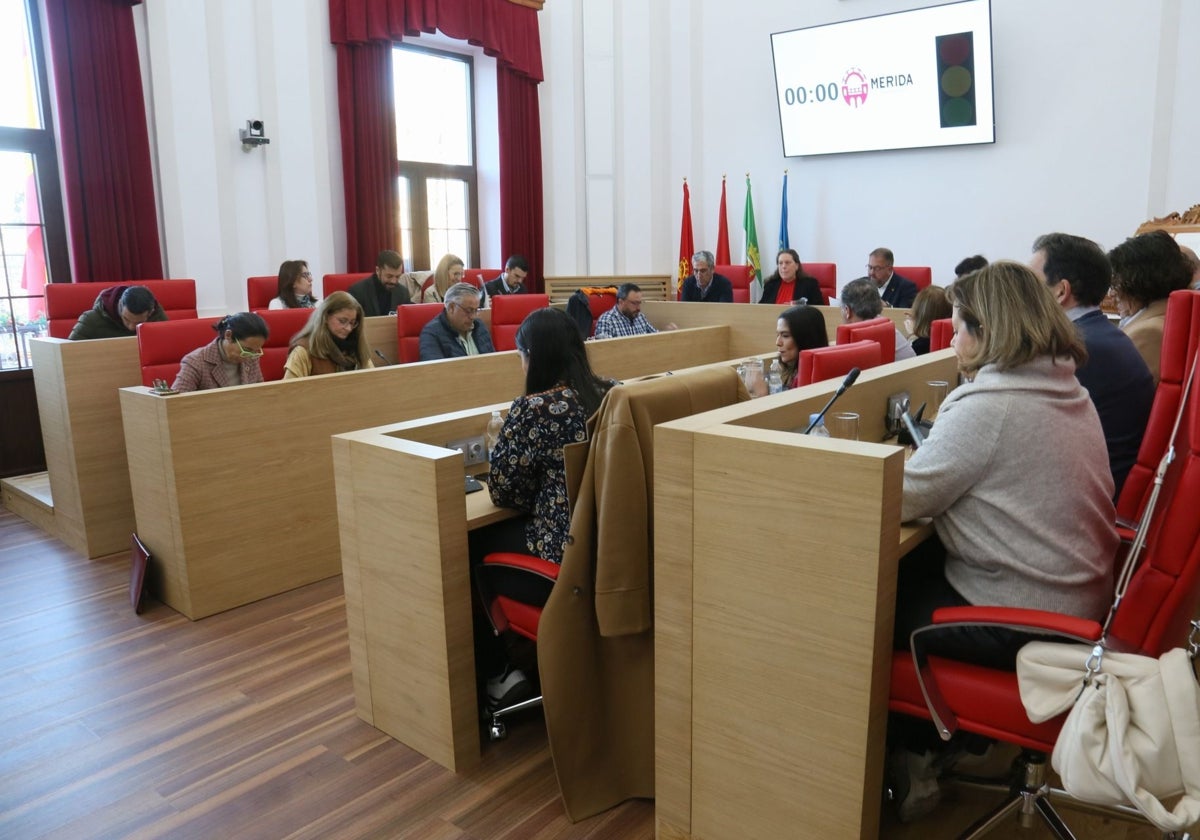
498, 731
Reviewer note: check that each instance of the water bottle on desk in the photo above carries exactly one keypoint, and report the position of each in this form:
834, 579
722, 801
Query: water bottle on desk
775, 378
818, 430
492, 435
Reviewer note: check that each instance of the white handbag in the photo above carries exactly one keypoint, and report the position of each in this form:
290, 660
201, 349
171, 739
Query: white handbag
1133, 734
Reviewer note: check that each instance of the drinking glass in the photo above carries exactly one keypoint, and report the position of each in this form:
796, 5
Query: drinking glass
937, 393
844, 425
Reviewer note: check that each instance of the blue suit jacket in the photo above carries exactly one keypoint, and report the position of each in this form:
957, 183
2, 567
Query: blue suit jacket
721, 290
1121, 388
900, 292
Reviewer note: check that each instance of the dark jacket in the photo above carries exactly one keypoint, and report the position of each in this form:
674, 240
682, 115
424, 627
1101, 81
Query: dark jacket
720, 291
496, 287
103, 320
372, 295
806, 287
439, 340
1121, 387
900, 292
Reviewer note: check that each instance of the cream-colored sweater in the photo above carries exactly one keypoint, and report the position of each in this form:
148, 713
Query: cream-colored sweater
1015, 475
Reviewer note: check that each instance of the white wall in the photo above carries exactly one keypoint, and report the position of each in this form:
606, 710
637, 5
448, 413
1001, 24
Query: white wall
1095, 133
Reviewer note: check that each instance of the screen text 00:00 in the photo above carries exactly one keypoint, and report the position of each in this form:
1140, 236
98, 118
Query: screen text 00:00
821, 93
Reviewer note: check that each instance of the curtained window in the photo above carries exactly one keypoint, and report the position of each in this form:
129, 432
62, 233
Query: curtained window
364, 32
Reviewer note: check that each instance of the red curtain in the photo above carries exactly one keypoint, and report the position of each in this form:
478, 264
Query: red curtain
104, 141
505, 31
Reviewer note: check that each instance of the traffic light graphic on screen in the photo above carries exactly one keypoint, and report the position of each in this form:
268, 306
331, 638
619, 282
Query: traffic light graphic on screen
956, 79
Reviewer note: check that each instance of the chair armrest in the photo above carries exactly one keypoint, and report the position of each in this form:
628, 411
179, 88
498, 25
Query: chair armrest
1013, 618
524, 562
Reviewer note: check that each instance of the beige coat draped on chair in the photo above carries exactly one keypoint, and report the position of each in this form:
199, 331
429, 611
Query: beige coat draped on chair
595, 638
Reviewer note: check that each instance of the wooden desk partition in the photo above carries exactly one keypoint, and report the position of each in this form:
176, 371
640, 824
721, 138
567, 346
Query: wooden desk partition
407, 581
775, 562
77, 384
233, 489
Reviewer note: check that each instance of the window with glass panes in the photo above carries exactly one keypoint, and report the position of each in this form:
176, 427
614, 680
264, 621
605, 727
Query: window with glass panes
32, 235
435, 149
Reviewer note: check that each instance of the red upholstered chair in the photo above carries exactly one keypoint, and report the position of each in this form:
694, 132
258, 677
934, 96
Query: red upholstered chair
826, 274
940, 333
508, 311
163, 344
1153, 617
331, 283
741, 276
509, 615
260, 291
922, 275
599, 304
877, 329
411, 318
1181, 339
282, 324
65, 302
837, 360
478, 276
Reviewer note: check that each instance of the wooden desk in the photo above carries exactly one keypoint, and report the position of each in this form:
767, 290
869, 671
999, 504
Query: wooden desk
775, 565
233, 489
407, 581
77, 386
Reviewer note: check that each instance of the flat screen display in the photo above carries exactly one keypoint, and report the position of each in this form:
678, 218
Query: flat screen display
898, 81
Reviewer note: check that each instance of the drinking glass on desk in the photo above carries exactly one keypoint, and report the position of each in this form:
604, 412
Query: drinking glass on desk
844, 425
937, 392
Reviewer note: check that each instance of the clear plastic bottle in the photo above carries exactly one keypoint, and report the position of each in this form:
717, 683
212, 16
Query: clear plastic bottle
492, 435
775, 378
818, 430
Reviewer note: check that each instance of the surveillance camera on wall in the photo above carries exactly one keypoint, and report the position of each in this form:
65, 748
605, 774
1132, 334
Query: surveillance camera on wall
254, 134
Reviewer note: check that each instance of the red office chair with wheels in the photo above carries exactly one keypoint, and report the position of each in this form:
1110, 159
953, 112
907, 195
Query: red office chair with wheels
1153, 616
876, 329
940, 333
837, 360
506, 571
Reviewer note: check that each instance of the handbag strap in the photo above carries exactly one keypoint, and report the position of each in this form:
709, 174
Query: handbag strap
1139, 537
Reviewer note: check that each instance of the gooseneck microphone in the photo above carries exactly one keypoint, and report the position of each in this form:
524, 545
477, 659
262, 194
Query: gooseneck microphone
846, 383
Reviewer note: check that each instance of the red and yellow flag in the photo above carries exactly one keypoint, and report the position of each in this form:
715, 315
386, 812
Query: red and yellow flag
686, 248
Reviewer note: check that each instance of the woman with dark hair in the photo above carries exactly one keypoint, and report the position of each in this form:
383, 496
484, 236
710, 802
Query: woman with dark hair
798, 328
333, 340
229, 359
295, 286
1145, 270
929, 305
561, 392
789, 283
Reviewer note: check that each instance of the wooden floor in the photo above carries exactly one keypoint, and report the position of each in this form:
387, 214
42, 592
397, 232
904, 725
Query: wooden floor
242, 726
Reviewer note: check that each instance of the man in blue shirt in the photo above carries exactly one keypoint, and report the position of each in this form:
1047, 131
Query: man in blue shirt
1115, 375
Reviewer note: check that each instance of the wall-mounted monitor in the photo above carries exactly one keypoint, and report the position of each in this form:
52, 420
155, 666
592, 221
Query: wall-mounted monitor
897, 81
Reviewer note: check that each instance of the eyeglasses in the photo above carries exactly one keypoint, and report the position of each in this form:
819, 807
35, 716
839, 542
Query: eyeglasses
307, 275
346, 322
248, 354
472, 312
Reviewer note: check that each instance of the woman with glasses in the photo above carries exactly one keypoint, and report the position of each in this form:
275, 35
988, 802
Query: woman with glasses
332, 341
295, 286
229, 359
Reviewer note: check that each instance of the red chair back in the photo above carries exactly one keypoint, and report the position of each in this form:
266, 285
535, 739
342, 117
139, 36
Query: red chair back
331, 283
260, 291
478, 276
508, 311
940, 333
411, 318
599, 304
740, 276
922, 275
163, 344
65, 302
837, 360
826, 274
1181, 338
282, 324
877, 329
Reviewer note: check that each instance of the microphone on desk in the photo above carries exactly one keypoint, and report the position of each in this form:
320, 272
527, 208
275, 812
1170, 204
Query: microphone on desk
846, 383
385, 358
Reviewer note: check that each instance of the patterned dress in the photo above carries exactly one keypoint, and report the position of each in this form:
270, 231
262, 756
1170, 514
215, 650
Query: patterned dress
527, 470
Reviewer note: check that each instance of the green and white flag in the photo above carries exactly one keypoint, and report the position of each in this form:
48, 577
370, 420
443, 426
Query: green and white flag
752, 260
